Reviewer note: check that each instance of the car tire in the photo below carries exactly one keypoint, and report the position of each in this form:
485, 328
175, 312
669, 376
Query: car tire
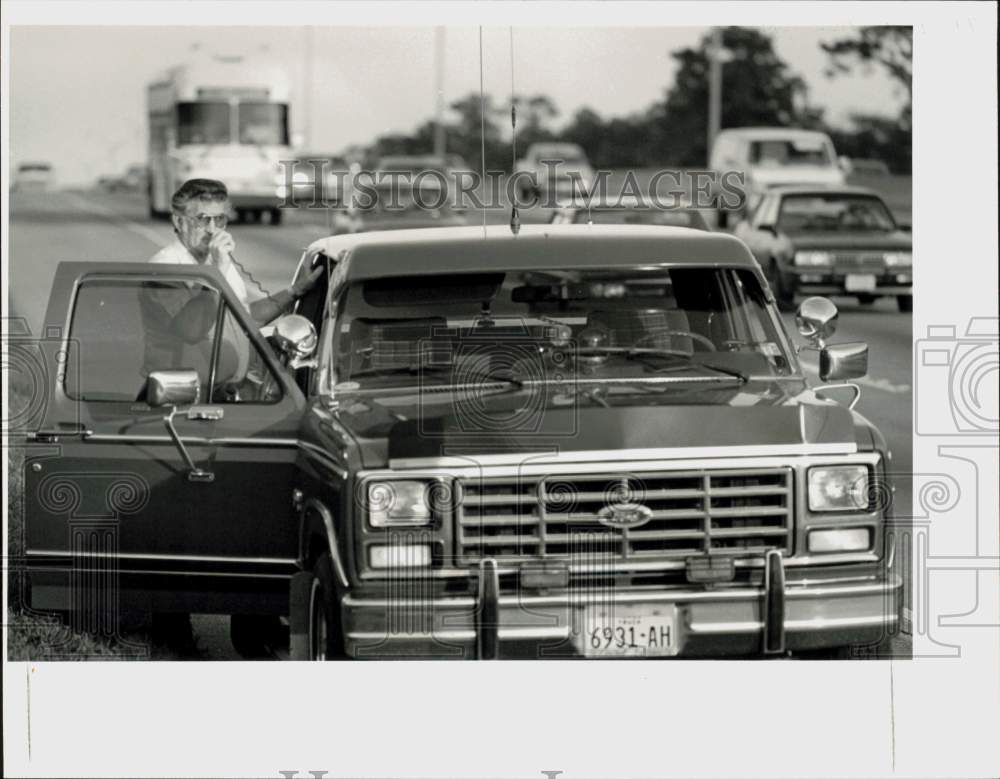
326, 641
784, 299
866, 300
276, 215
905, 303
255, 636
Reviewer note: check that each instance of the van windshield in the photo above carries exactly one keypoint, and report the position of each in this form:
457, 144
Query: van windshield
202, 123
790, 152
616, 324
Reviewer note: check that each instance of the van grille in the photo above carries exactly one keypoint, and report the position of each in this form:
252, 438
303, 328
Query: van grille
687, 513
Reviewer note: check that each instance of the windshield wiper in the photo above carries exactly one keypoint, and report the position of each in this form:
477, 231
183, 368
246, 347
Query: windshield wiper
509, 382
642, 354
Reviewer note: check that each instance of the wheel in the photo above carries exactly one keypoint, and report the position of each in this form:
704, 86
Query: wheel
905, 303
866, 300
254, 636
276, 215
326, 641
775, 280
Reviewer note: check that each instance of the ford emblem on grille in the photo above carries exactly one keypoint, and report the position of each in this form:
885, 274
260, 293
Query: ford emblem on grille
623, 515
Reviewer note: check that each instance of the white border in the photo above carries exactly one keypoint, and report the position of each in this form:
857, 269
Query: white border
603, 719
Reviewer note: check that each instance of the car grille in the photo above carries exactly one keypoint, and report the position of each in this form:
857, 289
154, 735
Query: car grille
691, 513
852, 262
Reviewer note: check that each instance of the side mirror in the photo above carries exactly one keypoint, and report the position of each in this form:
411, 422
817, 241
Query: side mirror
840, 362
816, 320
180, 388
295, 339
172, 388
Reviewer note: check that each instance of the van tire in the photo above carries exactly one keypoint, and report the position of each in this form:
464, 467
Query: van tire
326, 639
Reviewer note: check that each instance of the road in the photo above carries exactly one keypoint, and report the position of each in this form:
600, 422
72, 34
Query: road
46, 228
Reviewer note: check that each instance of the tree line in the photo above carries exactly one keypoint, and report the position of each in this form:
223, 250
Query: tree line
758, 89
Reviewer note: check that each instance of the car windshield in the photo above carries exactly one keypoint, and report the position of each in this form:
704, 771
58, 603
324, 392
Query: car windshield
827, 213
263, 124
786, 152
411, 164
202, 122
524, 326
562, 153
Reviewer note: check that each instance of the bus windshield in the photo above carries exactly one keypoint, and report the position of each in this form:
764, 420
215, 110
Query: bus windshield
263, 124
203, 122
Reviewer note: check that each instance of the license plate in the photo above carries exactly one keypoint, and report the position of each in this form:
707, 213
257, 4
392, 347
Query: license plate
859, 282
628, 631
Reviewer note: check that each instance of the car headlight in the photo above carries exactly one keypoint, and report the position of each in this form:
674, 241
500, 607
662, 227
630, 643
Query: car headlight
897, 259
813, 259
394, 503
839, 488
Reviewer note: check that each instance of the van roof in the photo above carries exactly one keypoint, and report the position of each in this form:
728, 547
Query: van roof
442, 250
755, 133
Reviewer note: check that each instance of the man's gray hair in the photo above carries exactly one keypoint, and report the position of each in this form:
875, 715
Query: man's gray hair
198, 189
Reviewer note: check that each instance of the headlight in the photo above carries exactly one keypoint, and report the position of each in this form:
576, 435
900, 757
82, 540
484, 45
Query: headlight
812, 259
897, 259
392, 503
838, 488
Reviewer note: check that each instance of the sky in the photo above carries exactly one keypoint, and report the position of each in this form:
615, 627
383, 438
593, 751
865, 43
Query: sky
77, 94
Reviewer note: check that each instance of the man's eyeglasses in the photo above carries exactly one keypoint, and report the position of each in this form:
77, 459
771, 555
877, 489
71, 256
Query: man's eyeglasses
204, 220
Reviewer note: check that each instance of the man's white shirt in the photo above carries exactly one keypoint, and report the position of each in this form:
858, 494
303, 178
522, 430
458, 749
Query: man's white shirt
177, 253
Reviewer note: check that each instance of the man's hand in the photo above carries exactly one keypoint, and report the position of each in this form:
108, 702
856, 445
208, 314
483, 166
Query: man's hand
220, 247
307, 282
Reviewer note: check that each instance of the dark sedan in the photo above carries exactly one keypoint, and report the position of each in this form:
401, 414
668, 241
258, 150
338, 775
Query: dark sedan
830, 241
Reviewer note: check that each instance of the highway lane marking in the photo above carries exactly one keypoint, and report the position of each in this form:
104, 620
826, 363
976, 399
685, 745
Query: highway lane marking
884, 384
149, 234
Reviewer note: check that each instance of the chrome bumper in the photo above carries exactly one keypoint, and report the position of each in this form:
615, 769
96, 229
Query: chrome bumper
774, 618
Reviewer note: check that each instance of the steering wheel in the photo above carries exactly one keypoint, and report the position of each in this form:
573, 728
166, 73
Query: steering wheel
709, 345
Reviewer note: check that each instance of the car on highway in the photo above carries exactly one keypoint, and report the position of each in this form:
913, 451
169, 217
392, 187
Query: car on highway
552, 172
331, 172
613, 214
830, 241
774, 156
33, 175
576, 441
405, 192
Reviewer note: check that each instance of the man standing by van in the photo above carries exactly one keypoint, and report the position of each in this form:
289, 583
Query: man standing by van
174, 323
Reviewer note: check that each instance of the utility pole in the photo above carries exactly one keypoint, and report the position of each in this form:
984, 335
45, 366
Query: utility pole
439, 136
307, 96
715, 60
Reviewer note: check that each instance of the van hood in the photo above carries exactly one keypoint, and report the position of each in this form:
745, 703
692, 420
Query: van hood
402, 430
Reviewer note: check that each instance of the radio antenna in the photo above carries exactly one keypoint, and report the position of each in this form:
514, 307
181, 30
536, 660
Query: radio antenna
515, 220
482, 123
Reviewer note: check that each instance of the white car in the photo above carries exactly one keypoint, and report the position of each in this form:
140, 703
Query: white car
773, 157
549, 169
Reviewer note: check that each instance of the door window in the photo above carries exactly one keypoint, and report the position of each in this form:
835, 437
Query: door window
122, 330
